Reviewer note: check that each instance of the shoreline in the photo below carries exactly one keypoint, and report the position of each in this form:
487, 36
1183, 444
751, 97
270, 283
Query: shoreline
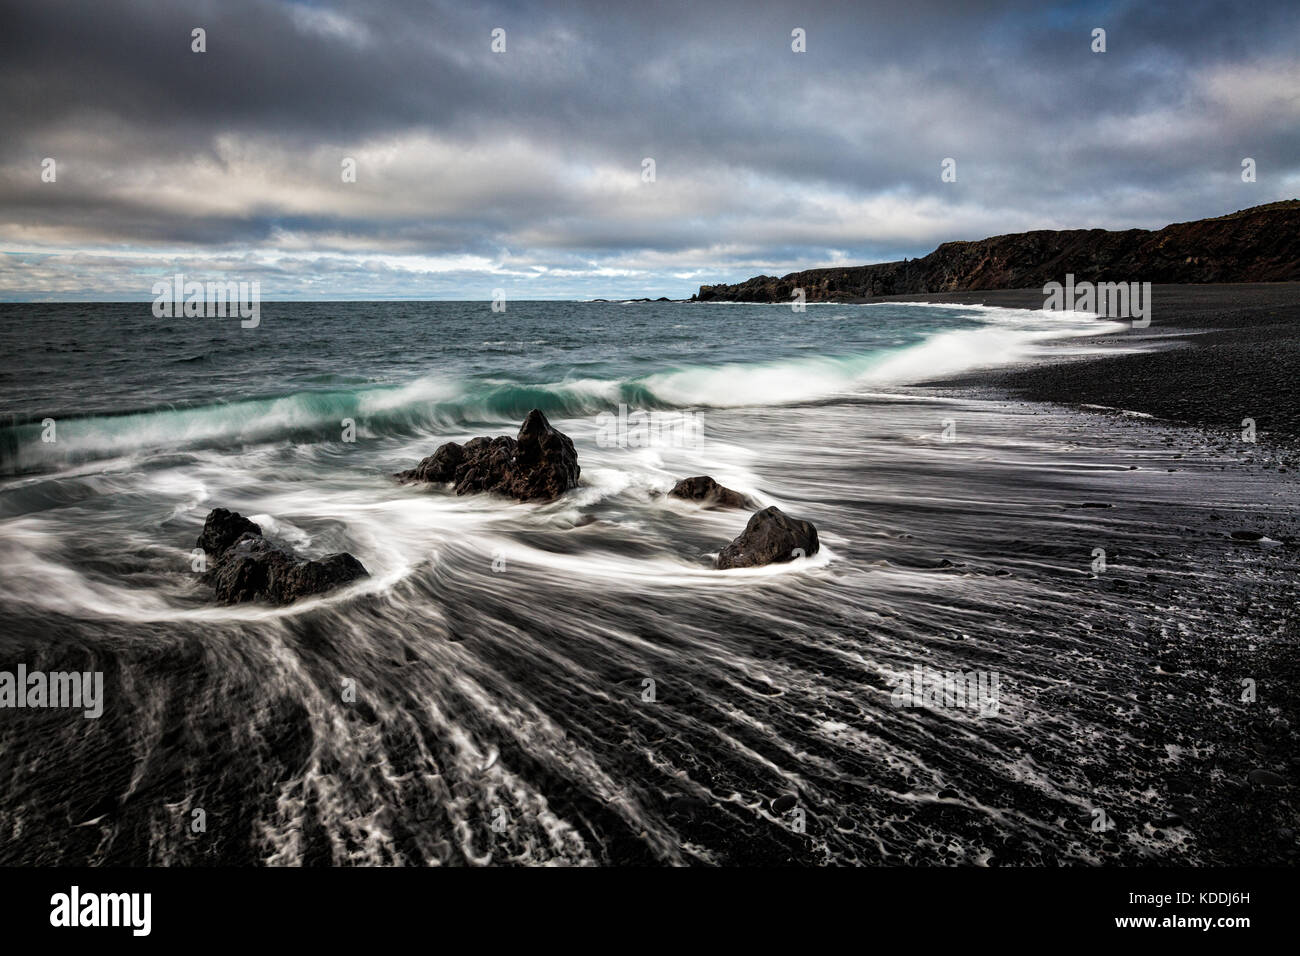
1120, 683
1212, 357
1121, 577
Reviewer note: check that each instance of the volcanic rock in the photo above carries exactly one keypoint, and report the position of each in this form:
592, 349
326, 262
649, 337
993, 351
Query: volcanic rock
222, 529
771, 537
245, 566
708, 493
538, 465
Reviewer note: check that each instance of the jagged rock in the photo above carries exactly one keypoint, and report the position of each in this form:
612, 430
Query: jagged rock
538, 465
222, 529
548, 465
248, 567
771, 537
708, 492
439, 467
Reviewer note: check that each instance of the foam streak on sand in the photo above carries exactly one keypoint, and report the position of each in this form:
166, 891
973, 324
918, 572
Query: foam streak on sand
577, 670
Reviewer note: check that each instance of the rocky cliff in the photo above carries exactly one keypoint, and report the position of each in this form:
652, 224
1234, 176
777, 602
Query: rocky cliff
1261, 244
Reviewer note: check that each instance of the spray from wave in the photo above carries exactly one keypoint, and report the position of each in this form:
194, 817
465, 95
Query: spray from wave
433, 404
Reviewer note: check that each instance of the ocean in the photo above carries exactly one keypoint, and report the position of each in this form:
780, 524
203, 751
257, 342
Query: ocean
572, 682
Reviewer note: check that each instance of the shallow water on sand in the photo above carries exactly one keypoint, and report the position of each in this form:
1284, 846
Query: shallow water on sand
571, 682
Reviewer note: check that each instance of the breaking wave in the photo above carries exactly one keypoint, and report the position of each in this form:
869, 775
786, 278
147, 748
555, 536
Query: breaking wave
436, 404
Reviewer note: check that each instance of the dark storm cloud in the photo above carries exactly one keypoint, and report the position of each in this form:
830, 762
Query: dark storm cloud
528, 162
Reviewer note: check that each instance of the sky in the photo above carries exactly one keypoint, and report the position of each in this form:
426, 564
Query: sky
524, 169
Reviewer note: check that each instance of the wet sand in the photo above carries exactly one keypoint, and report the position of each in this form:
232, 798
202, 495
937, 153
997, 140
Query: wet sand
1213, 356
773, 736
1120, 686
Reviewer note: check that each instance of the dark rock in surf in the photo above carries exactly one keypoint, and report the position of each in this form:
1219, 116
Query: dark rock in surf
547, 465
708, 493
245, 566
254, 569
771, 537
439, 467
538, 465
222, 529
784, 803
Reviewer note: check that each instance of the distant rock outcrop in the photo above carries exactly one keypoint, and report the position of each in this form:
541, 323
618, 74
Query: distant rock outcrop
538, 465
706, 491
771, 537
245, 566
1261, 244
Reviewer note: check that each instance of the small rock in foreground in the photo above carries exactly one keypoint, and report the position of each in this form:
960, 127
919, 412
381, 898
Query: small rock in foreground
771, 537
247, 567
709, 493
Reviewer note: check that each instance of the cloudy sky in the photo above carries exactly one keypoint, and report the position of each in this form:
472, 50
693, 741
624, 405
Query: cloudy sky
523, 170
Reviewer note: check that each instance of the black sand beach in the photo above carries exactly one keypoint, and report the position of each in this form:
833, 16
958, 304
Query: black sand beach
1213, 356
861, 439
501, 651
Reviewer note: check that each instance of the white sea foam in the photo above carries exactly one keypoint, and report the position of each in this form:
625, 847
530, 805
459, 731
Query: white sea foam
427, 405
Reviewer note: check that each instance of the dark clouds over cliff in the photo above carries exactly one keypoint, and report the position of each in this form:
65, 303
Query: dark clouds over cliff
522, 170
